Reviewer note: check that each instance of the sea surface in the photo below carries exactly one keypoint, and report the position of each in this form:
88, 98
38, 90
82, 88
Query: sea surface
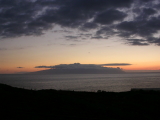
84, 82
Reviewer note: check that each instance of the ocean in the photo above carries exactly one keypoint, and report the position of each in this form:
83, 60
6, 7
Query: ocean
84, 82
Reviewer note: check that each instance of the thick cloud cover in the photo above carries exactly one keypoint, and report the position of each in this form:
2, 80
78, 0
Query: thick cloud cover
83, 66
136, 21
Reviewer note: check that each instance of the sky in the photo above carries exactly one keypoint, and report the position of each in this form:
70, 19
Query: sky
115, 33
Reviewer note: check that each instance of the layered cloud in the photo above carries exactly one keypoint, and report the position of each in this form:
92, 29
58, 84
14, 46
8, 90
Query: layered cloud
82, 66
117, 64
134, 21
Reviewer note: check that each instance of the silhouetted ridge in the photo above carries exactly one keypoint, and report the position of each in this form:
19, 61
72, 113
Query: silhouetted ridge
78, 68
23, 104
80, 71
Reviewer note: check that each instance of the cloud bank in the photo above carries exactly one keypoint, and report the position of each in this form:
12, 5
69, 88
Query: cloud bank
134, 21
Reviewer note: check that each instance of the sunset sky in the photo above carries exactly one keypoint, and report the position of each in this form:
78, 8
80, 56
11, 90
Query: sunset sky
52, 32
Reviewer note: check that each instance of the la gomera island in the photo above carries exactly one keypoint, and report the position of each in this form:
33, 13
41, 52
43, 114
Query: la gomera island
49, 104
78, 68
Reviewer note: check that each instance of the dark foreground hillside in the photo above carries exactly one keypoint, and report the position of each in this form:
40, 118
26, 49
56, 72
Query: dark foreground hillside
23, 104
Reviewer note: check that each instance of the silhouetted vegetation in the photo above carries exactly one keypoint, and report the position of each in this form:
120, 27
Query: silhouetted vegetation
17, 103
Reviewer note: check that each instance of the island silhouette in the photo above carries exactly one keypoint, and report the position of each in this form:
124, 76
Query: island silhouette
78, 68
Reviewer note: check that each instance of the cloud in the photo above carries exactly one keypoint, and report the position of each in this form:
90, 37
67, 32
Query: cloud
88, 26
155, 40
14, 48
20, 67
43, 66
109, 16
97, 37
71, 37
127, 19
117, 64
83, 66
72, 44
137, 42
60, 31
3, 49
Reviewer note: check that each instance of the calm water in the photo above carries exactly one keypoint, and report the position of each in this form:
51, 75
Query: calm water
84, 82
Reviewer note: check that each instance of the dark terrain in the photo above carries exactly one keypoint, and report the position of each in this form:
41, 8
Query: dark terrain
17, 103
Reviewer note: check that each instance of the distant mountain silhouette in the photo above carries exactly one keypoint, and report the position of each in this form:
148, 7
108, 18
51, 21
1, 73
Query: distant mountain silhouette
78, 68
80, 71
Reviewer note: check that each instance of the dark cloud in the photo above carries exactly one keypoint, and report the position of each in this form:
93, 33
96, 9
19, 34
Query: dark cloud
71, 37
92, 5
3, 49
154, 40
43, 66
28, 17
117, 64
20, 67
144, 13
126, 18
72, 44
89, 26
97, 37
60, 31
141, 28
137, 42
149, 11
109, 16
106, 31
128, 28
15, 18
15, 48
85, 35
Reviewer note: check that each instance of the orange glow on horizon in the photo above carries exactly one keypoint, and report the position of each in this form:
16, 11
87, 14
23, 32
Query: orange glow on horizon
141, 67
19, 70
138, 67
23, 70
12, 69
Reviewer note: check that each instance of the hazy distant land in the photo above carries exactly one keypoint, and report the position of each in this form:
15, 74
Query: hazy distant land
78, 68
80, 71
